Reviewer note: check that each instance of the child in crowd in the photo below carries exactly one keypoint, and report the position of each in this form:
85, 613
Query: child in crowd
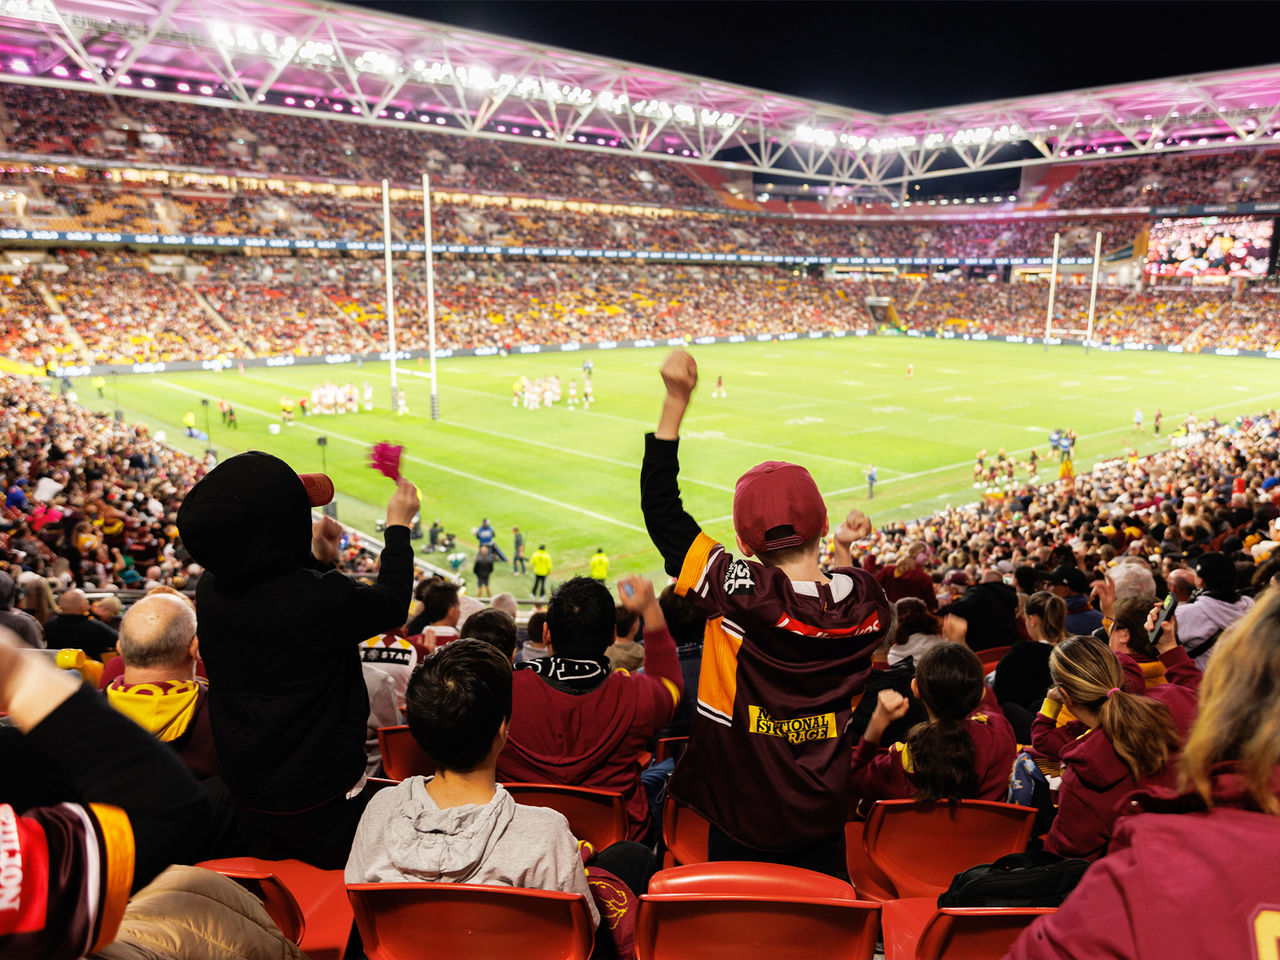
461, 826
786, 649
1131, 742
494, 627
959, 754
1192, 872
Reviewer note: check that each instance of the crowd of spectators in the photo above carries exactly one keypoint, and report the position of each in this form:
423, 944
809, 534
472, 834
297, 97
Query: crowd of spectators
91, 501
129, 310
1237, 175
125, 313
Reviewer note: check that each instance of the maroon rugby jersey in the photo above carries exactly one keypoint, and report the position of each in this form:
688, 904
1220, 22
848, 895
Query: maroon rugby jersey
782, 660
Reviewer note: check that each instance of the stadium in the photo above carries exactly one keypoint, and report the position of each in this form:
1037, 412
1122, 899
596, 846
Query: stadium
472, 288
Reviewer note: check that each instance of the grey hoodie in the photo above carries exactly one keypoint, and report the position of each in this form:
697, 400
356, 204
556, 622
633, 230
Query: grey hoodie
404, 837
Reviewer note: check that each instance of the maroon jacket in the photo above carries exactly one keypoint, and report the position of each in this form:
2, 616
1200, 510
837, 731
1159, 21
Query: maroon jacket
880, 774
1049, 737
1095, 780
1179, 883
595, 738
914, 583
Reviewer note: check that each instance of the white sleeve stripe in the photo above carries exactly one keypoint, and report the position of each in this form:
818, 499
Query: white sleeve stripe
93, 872
714, 715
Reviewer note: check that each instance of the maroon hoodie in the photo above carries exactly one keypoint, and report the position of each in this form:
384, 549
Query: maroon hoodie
1095, 780
886, 774
1179, 883
595, 738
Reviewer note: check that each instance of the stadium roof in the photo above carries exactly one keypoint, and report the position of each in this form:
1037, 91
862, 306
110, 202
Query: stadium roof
369, 66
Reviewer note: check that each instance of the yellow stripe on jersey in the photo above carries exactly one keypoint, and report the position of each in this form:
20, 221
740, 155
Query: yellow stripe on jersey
117, 871
718, 678
695, 561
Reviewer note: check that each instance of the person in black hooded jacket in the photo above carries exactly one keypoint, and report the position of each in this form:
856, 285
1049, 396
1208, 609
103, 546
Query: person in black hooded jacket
279, 629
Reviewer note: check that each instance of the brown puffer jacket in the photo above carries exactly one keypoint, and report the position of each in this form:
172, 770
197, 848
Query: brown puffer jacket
188, 913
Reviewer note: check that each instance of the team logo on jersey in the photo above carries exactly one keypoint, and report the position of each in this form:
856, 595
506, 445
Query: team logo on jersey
795, 730
737, 579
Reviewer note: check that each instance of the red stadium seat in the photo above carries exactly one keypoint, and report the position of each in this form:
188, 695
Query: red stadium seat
426, 921
401, 756
684, 834
991, 657
916, 929
753, 910
596, 816
920, 847
307, 904
670, 747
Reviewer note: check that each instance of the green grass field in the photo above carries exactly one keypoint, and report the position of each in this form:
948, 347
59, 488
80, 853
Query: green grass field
570, 479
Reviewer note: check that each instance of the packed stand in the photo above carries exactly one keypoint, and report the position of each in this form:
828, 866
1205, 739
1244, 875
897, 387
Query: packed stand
1239, 175
127, 314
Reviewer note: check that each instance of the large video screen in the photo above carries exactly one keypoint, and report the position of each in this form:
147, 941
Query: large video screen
1210, 247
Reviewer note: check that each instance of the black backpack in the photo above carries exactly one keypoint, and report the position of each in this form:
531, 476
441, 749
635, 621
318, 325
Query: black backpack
1017, 880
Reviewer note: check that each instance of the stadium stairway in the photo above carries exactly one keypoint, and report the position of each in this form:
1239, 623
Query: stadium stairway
59, 319
1055, 176
217, 319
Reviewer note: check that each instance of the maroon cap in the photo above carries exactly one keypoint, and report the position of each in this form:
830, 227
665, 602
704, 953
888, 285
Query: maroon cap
319, 488
777, 505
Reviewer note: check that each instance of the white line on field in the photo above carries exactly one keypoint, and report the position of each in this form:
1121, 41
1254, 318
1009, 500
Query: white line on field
476, 478
515, 438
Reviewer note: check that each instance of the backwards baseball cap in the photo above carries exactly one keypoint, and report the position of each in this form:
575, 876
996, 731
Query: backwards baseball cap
318, 486
1215, 569
1071, 577
777, 505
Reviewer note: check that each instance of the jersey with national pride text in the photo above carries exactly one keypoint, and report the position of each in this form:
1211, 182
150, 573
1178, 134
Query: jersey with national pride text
65, 874
782, 660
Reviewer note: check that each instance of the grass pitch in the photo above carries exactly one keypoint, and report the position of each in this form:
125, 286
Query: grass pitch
570, 479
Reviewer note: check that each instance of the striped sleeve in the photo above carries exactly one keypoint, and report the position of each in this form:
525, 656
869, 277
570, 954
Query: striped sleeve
65, 874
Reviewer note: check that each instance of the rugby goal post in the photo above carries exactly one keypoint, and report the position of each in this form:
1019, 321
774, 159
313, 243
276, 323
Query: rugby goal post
429, 263
1087, 333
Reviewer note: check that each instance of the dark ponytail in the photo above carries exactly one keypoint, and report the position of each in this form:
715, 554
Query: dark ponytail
943, 760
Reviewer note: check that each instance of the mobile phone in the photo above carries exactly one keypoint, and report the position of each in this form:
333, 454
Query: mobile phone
1166, 611
628, 589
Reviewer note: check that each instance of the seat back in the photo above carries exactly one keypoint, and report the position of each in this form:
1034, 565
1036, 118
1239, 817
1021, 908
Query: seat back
749, 878
596, 816
669, 747
424, 921
991, 657
754, 910
401, 756
684, 834
920, 847
983, 933
308, 904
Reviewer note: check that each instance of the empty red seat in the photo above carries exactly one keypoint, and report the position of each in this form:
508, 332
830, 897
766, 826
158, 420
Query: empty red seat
991, 657
426, 921
669, 747
308, 904
684, 834
401, 756
920, 847
753, 910
916, 929
596, 816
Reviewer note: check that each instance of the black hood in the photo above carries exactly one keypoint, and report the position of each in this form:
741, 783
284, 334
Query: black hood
249, 519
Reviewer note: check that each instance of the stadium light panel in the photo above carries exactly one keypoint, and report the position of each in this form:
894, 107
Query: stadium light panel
60, 71
19, 66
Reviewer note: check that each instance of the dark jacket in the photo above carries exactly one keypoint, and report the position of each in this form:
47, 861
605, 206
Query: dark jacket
79, 631
279, 635
990, 609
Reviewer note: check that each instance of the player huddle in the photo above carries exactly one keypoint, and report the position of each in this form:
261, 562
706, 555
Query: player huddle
548, 391
329, 399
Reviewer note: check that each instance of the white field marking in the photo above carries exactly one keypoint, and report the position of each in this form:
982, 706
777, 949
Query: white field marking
854, 433
546, 446
947, 370
963, 463
945, 386
743, 443
439, 466
798, 406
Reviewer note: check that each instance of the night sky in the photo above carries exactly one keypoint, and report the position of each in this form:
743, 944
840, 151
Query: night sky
889, 56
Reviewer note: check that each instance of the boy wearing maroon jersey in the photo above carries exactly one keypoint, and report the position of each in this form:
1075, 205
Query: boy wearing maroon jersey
786, 648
